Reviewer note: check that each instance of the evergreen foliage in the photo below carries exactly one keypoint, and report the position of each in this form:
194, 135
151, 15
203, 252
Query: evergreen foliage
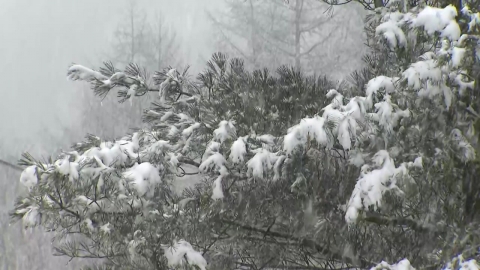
292, 172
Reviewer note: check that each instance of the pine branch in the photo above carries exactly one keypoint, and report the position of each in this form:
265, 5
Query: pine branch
60, 204
91, 141
399, 221
308, 243
108, 70
188, 161
13, 166
302, 267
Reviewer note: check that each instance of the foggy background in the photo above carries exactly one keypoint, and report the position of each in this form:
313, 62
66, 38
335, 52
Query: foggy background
41, 38
41, 112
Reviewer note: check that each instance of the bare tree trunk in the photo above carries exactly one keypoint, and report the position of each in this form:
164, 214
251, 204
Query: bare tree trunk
298, 16
253, 35
160, 41
132, 28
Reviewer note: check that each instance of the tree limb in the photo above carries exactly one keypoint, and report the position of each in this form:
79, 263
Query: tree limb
13, 166
308, 243
399, 221
188, 161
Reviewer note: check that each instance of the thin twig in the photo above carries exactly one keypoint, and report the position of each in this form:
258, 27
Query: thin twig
13, 166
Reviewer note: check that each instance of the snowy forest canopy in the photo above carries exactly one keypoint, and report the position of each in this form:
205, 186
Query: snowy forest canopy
250, 166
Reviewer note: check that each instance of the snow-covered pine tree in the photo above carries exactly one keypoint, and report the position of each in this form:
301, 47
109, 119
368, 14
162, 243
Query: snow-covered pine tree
382, 176
112, 200
112, 193
443, 197
262, 107
259, 100
147, 41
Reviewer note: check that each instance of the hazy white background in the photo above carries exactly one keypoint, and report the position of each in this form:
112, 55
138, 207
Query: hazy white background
39, 39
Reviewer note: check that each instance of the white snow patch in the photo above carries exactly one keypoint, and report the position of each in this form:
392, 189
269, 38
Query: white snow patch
457, 56
79, 72
225, 130
106, 228
214, 162
32, 216
371, 185
439, 20
401, 265
28, 178
66, 167
393, 33
377, 84
261, 163
182, 252
308, 128
188, 131
143, 178
217, 188
238, 151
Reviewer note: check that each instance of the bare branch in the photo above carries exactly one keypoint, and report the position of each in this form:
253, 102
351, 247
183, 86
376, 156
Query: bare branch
8, 164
